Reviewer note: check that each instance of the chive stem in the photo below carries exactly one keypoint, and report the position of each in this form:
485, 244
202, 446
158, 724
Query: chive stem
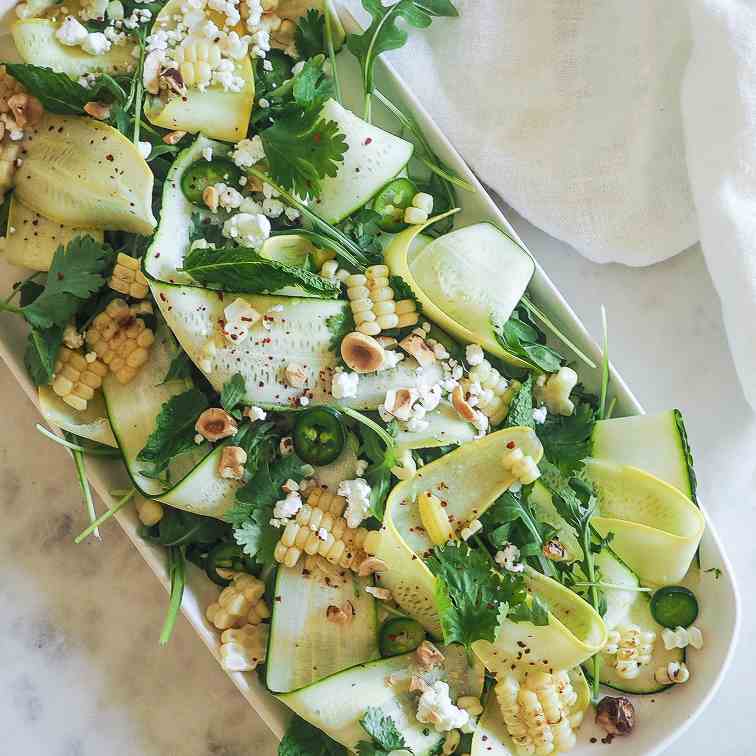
106, 515
86, 489
76, 447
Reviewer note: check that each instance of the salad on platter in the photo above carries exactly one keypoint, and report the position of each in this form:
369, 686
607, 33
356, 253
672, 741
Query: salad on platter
429, 533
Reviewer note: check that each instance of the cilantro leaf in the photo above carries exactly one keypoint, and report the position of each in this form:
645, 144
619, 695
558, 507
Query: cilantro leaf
256, 440
242, 269
339, 325
174, 430
402, 290
568, 440
363, 228
302, 148
302, 739
61, 94
469, 593
378, 475
310, 34
521, 409
76, 272
179, 369
524, 340
41, 352
382, 729
232, 394
311, 87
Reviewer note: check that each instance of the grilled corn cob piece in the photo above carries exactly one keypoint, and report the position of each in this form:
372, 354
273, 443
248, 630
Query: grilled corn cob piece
628, 649
127, 277
496, 392
521, 466
320, 529
197, 59
372, 301
239, 604
244, 648
120, 339
76, 378
554, 391
537, 708
434, 518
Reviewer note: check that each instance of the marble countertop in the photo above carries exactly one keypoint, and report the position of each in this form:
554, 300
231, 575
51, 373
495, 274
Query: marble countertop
82, 673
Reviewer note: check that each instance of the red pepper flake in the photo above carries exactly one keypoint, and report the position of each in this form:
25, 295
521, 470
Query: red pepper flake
511, 445
368, 141
316, 137
110, 158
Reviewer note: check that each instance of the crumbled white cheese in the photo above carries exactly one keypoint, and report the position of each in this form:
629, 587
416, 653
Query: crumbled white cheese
468, 532
71, 32
228, 197
247, 228
234, 46
207, 153
509, 558
360, 467
435, 708
539, 415
248, 152
344, 385
268, 191
93, 10
430, 396
286, 446
474, 354
239, 317
323, 534
256, 413
291, 213
273, 208
391, 358
71, 337
145, 148
285, 509
264, 102
267, 65
357, 493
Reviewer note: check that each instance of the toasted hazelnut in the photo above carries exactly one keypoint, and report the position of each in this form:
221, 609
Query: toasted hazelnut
173, 137
554, 550
295, 375
361, 353
418, 685
340, 615
26, 109
427, 655
98, 110
464, 410
615, 715
210, 197
419, 349
382, 594
386, 341
371, 565
399, 403
214, 424
151, 72
232, 461
172, 80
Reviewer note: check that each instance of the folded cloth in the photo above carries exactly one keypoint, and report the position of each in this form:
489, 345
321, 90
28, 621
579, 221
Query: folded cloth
621, 128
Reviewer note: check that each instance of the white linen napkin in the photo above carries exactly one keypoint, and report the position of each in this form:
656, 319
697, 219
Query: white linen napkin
581, 113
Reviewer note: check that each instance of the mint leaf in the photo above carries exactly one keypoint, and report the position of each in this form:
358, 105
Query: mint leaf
521, 409
302, 148
232, 394
41, 353
469, 593
382, 729
60, 94
174, 430
244, 270
522, 339
310, 34
179, 369
302, 739
76, 272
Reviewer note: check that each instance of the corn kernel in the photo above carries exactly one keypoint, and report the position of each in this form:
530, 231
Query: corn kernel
434, 518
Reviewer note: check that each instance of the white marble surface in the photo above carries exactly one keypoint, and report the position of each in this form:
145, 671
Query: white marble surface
81, 670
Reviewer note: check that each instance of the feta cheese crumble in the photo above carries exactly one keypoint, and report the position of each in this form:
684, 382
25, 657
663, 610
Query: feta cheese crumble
474, 354
247, 228
239, 316
248, 152
357, 493
435, 708
344, 385
509, 558
539, 415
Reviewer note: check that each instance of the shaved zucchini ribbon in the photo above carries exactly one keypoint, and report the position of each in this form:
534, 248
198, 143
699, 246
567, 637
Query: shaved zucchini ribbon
470, 479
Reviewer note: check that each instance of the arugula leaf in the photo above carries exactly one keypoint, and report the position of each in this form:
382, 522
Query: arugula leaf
41, 352
568, 440
179, 369
469, 593
521, 409
310, 34
60, 94
242, 269
524, 340
302, 739
174, 430
302, 148
253, 510
507, 509
383, 731
232, 394
76, 272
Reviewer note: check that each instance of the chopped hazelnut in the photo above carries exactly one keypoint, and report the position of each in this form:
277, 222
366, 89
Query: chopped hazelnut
361, 353
464, 410
428, 655
372, 565
231, 465
418, 685
98, 110
382, 594
399, 403
210, 197
295, 375
418, 348
172, 80
554, 550
173, 137
215, 424
340, 615
26, 109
